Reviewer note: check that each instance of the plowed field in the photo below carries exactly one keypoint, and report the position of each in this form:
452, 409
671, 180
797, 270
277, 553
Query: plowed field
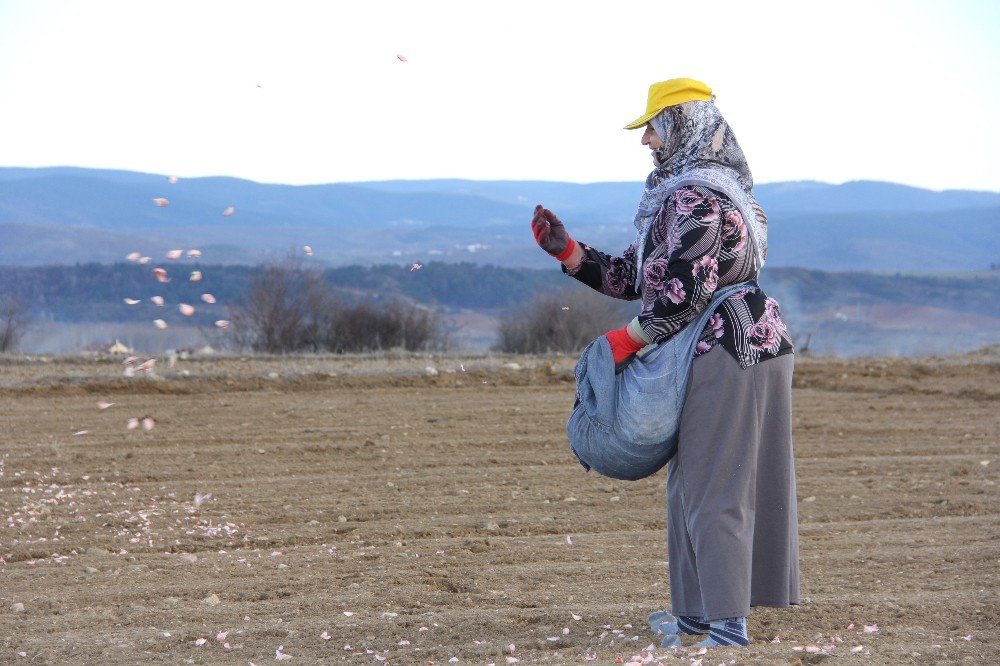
364, 511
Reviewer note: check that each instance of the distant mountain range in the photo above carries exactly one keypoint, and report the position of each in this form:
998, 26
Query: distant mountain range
66, 215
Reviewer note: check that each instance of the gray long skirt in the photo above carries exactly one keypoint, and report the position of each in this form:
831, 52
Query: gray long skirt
732, 517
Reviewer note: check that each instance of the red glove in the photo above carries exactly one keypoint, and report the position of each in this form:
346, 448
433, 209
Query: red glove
622, 344
551, 234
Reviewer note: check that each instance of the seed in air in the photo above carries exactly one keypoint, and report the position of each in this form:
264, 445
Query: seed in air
208, 298
175, 254
222, 323
104, 405
229, 211
195, 276
132, 423
146, 366
156, 300
308, 250
133, 256
186, 310
161, 275
401, 57
144, 260
148, 423
416, 267
160, 324
194, 254
172, 180
131, 301
161, 202
81, 432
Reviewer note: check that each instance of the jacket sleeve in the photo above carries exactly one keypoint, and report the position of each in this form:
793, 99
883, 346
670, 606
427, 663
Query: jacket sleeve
614, 276
682, 269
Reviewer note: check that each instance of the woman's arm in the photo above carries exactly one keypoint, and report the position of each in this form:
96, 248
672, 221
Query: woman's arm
682, 270
614, 276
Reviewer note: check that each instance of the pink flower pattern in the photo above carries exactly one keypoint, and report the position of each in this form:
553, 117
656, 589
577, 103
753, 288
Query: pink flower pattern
763, 335
693, 203
716, 325
706, 271
773, 314
734, 230
674, 291
655, 273
614, 282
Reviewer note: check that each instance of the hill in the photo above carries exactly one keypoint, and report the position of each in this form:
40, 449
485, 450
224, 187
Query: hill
65, 215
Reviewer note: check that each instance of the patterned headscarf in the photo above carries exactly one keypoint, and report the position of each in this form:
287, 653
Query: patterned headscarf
697, 140
694, 135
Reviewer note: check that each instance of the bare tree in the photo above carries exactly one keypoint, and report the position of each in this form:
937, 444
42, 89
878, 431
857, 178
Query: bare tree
563, 321
14, 321
277, 313
288, 308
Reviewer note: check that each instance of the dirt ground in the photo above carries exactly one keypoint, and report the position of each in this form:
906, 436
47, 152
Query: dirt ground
367, 510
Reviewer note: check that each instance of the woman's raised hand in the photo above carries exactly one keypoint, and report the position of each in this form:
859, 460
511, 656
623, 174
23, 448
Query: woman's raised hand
550, 233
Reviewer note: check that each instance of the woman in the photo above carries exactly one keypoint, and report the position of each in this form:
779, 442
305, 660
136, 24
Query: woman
732, 519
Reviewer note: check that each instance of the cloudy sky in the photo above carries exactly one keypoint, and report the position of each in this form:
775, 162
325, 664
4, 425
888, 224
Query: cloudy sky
313, 92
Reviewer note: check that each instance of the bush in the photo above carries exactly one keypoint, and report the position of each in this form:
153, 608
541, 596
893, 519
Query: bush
562, 321
289, 309
396, 324
14, 321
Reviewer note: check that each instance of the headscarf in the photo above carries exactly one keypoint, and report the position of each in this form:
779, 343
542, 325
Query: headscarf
694, 135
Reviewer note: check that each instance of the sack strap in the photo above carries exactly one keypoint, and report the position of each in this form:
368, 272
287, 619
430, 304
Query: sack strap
694, 327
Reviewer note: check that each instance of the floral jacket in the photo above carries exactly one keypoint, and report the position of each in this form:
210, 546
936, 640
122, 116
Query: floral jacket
697, 243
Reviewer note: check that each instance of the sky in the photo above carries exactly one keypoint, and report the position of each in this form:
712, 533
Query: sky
313, 92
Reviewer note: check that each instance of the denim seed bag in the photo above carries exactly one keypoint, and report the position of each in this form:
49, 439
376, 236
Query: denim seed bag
625, 426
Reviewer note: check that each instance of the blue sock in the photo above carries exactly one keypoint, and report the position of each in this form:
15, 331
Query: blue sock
672, 628
692, 625
663, 622
730, 631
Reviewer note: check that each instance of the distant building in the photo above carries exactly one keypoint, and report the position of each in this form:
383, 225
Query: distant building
104, 348
119, 348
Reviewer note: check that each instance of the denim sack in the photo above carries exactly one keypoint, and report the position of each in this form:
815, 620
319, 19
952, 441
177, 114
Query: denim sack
625, 426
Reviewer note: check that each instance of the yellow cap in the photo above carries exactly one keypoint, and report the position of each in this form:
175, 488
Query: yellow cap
669, 93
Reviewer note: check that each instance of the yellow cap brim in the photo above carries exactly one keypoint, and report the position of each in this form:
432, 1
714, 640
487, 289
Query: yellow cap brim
642, 120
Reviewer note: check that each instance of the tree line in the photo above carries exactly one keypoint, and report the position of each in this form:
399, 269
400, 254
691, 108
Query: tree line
290, 305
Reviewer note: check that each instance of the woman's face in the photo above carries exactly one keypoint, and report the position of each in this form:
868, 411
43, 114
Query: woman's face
651, 139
